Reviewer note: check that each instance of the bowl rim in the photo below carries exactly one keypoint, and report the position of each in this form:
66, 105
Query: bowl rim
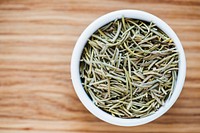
75, 73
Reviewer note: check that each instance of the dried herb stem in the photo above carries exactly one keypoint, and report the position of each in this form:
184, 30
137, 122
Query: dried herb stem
129, 68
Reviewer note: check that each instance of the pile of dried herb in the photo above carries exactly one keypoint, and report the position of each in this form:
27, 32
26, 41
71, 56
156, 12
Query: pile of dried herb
129, 68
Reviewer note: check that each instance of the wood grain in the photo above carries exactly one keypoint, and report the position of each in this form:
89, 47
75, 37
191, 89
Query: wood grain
36, 42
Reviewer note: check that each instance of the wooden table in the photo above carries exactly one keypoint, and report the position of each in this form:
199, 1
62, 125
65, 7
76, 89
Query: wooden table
36, 42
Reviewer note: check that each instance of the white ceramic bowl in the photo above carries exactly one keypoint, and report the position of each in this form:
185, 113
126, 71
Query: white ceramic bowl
75, 73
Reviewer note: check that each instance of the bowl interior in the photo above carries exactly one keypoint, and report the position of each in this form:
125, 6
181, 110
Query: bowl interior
75, 73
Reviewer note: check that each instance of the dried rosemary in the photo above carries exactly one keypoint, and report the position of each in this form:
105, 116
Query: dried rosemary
129, 68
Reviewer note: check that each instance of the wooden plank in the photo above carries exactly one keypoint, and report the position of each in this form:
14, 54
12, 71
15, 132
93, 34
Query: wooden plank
36, 42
